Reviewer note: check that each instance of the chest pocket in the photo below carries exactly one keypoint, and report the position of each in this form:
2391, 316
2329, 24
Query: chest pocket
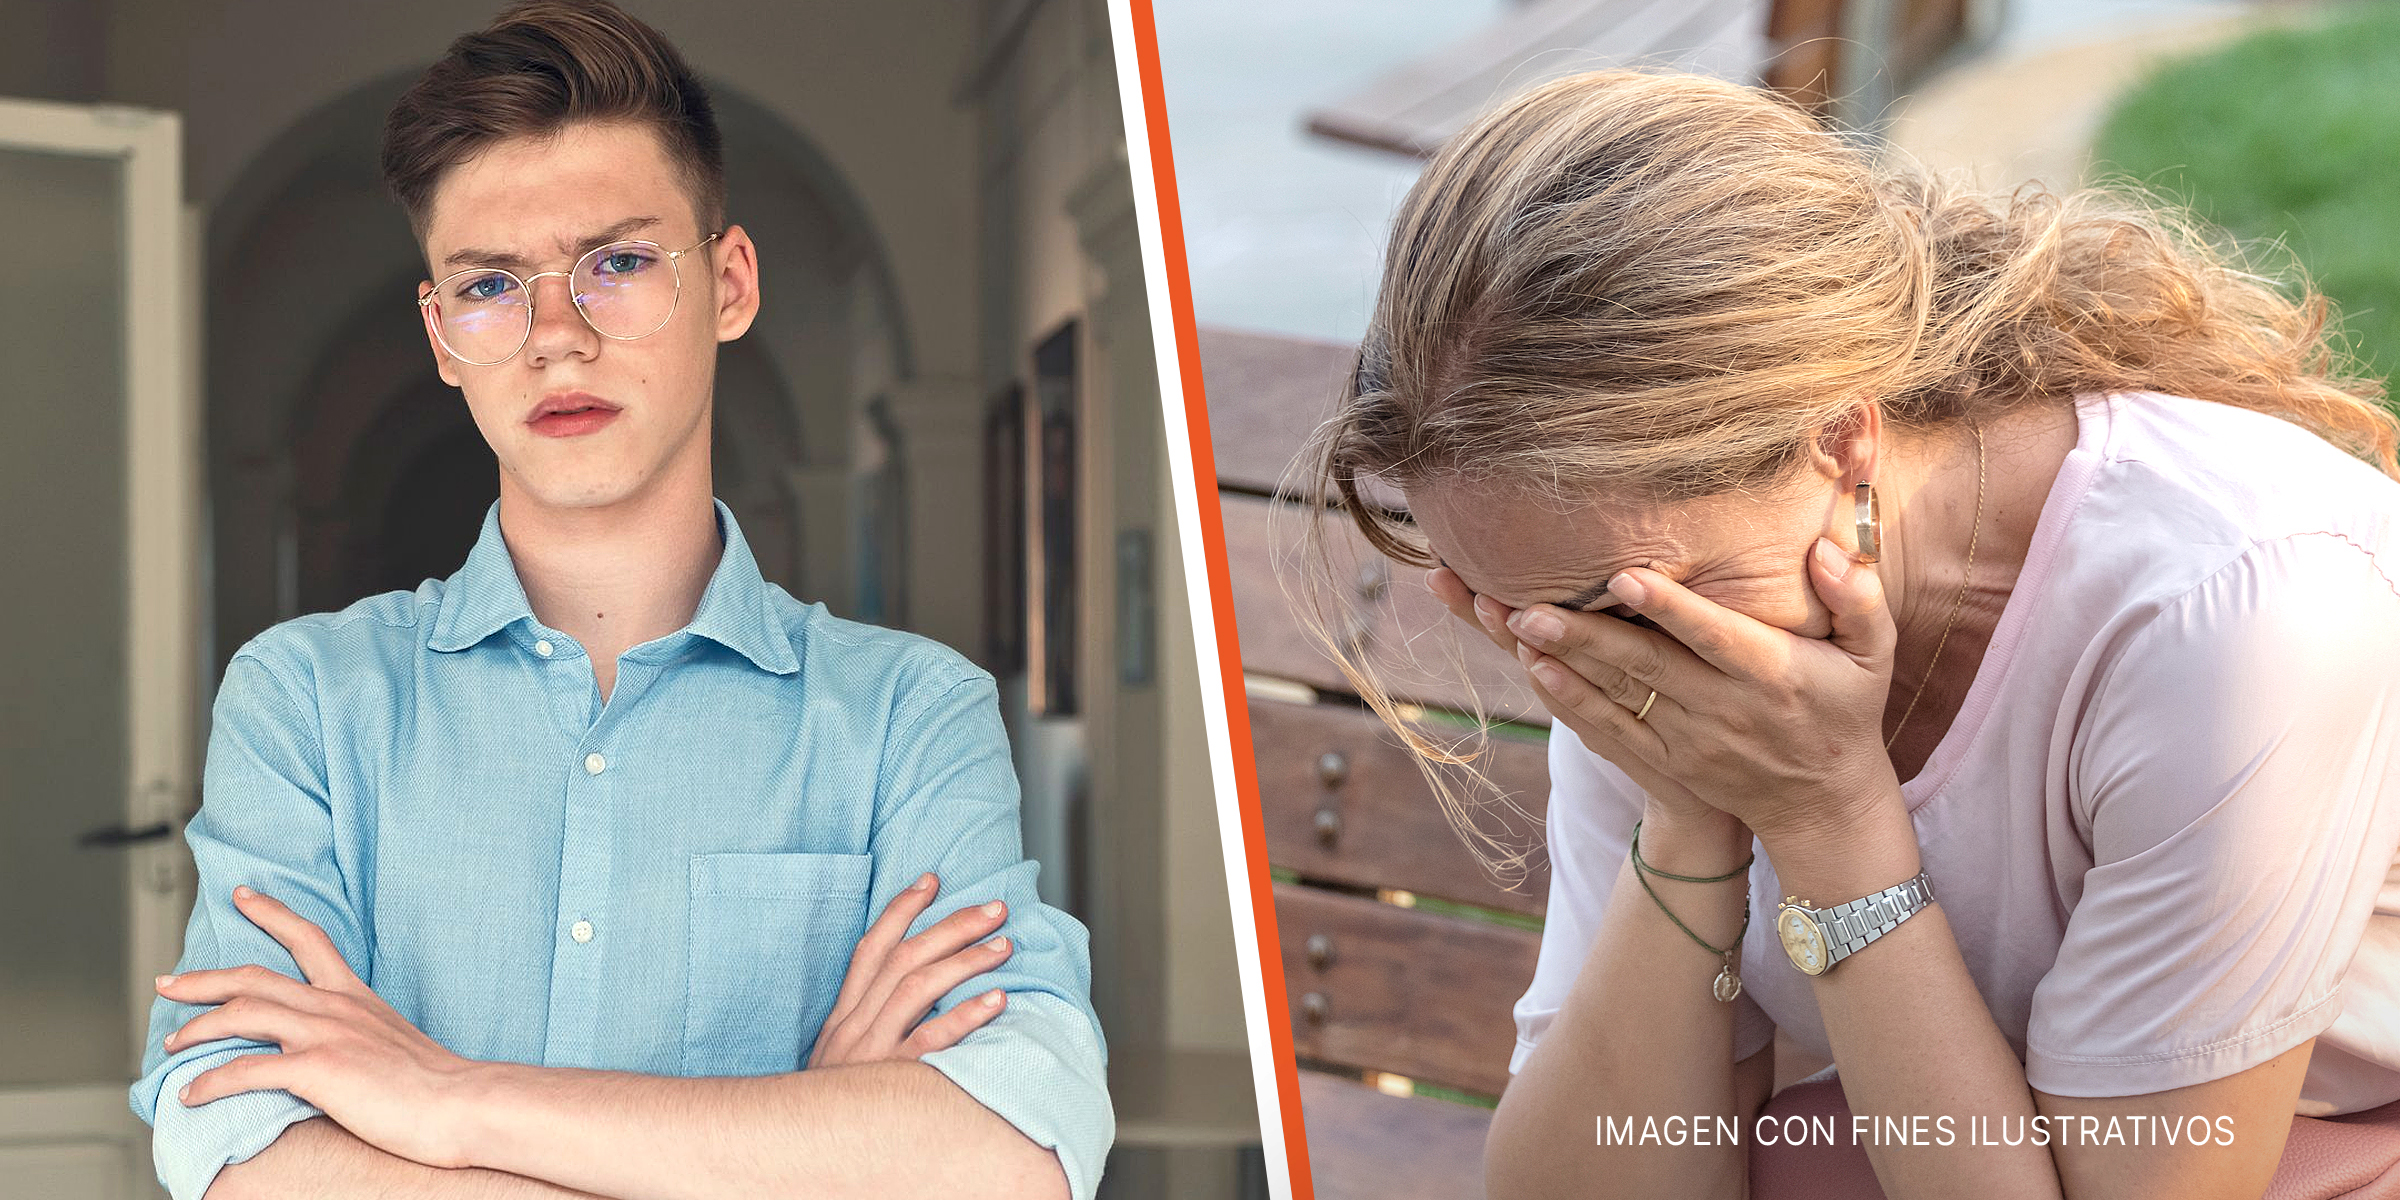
771, 936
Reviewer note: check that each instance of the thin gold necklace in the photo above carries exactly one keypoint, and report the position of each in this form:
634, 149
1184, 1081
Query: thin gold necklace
1956, 601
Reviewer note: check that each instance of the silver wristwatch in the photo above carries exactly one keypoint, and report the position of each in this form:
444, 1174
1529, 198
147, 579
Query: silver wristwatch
1817, 938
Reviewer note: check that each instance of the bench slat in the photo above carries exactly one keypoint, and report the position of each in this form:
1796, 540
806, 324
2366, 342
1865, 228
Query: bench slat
1423, 994
1364, 1145
1377, 824
1266, 395
1418, 105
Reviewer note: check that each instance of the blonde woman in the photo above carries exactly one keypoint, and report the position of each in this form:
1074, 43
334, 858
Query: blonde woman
1985, 607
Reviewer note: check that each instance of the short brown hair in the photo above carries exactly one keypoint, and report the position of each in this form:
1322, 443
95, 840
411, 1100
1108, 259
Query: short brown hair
538, 66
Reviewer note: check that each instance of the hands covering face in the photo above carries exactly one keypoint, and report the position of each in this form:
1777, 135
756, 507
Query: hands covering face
1774, 729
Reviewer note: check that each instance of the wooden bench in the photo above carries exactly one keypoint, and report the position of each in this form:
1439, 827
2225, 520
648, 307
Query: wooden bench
1401, 956
1415, 107
1814, 51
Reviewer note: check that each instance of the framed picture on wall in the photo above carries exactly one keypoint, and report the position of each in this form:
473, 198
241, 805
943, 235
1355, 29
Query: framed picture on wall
1004, 462
1053, 582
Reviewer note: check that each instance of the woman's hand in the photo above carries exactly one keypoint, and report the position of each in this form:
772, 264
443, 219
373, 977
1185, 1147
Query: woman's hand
1780, 731
1492, 617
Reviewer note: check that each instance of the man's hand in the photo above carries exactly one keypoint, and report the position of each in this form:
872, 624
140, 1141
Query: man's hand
344, 1049
894, 981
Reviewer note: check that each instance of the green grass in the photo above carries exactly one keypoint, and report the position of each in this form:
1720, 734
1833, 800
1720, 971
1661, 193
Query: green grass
1453, 1095
1521, 730
2289, 136
1476, 912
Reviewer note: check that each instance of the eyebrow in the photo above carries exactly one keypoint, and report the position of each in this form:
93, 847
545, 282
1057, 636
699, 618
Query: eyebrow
1579, 602
1582, 600
471, 256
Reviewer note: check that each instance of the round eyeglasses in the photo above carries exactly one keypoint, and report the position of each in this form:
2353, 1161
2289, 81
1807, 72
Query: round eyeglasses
483, 315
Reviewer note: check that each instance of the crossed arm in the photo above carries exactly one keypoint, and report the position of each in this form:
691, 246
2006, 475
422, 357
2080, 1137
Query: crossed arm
405, 1117
362, 1102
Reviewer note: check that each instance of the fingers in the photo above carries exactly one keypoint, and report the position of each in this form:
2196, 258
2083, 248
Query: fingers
1609, 681
866, 960
231, 983
1653, 783
241, 1073
950, 1028
915, 964
1572, 649
923, 987
1494, 617
1597, 736
1622, 660
1575, 700
1692, 633
1854, 591
1721, 637
1452, 591
938, 941
1480, 612
251, 1017
319, 960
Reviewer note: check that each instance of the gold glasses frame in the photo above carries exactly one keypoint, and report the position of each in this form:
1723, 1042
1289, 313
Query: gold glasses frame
425, 303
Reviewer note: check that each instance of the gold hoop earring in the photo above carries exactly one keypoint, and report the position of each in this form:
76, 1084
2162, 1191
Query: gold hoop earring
1870, 524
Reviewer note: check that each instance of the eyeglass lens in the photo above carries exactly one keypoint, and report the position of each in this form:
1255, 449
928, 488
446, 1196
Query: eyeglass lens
626, 290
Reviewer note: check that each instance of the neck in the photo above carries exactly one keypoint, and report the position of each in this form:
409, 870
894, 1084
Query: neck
1930, 521
614, 577
1926, 489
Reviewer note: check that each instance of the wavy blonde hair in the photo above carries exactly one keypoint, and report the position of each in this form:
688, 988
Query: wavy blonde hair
1666, 286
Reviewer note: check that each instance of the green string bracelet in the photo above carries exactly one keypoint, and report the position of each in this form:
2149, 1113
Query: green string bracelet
1729, 982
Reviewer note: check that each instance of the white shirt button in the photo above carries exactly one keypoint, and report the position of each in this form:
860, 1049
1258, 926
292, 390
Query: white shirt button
581, 931
593, 764
543, 647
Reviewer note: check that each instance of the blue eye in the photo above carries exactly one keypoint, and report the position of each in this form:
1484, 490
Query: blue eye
622, 262
485, 288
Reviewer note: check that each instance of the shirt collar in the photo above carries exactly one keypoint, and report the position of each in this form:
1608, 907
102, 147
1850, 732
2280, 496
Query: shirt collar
737, 609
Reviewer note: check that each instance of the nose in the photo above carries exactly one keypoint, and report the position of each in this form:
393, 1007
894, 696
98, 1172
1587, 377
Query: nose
559, 330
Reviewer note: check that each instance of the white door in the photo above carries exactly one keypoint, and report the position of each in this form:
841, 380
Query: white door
99, 506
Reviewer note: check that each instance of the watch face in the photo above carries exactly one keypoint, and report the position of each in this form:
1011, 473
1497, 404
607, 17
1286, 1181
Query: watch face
1802, 941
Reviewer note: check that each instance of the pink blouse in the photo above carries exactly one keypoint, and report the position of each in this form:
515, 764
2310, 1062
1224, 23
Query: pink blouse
2164, 823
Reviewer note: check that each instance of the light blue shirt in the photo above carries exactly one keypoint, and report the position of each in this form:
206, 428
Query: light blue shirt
670, 882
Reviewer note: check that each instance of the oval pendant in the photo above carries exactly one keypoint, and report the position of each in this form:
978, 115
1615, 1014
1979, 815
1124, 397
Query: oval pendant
1729, 985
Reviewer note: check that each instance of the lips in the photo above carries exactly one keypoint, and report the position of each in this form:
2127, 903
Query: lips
569, 402
566, 414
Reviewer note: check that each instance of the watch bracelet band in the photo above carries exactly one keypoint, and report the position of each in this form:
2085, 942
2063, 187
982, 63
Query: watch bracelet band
1850, 926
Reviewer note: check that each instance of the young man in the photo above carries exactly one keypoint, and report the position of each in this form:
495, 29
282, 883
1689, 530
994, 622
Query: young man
555, 878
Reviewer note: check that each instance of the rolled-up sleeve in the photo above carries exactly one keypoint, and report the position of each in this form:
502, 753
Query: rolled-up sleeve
264, 821
950, 806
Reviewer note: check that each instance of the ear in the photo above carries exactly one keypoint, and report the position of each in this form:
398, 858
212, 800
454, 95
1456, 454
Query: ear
442, 362
734, 262
1848, 448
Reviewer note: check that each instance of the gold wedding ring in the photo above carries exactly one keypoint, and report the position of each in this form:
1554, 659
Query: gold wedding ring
1646, 705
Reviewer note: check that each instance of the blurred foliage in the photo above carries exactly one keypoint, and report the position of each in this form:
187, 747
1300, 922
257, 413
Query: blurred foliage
2290, 137
1438, 1092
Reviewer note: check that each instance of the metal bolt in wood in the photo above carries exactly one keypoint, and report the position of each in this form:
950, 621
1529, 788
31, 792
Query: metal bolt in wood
1329, 827
1320, 951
